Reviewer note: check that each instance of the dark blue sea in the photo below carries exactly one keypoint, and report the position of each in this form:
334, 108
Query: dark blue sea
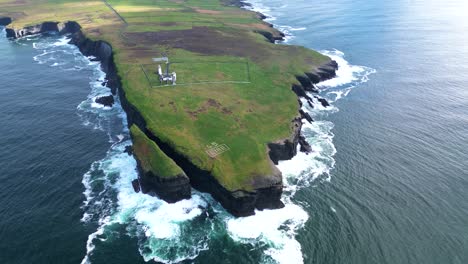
387, 181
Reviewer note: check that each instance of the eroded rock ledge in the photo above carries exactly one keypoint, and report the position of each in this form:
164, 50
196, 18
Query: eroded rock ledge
267, 192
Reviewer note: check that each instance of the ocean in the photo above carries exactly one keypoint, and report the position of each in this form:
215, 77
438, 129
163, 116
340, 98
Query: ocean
387, 181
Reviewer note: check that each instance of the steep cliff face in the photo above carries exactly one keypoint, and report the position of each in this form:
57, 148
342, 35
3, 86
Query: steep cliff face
170, 190
286, 149
158, 174
267, 190
32, 30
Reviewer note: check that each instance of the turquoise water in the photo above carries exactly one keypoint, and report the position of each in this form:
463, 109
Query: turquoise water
386, 183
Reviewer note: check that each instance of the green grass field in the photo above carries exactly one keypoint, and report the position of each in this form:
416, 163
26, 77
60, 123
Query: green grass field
200, 73
234, 87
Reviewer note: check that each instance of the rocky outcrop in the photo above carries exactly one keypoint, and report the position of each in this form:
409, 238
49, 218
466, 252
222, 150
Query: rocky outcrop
136, 185
305, 146
323, 101
105, 100
171, 189
306, 116
129, 150
286, 149
158, 174
308, 81
33, 30
273, 36
324, 72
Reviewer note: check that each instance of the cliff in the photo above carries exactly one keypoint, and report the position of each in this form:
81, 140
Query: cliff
159, 174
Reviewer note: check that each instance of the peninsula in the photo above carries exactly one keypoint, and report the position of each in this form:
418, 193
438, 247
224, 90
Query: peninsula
234, 110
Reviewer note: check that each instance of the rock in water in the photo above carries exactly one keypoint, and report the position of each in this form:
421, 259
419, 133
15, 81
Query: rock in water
105, 100
324, 102
129, 150
305, 146
136, 185
306, 116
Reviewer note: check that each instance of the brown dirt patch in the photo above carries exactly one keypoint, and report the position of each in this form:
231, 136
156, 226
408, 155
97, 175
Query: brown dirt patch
213, 103
209, 12
167, 24
226, 111
210, 103
204, 40
174, 107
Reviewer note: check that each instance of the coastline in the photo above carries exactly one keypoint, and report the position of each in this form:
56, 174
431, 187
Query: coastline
238, 203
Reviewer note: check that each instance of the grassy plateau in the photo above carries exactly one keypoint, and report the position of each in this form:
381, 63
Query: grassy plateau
234, 85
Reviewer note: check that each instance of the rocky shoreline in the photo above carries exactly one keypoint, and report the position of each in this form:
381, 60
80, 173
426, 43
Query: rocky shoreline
267, 193
286, 149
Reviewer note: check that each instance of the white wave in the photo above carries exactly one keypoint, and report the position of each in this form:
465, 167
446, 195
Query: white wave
89, 242
258, 6
276, 228
120, 137
155, 222
346, 73
97, 105
303, 169
56, 64
63, 41
38, 57
298, 29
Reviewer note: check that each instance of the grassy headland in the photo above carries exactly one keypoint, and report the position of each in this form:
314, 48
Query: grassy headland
152, 158
234, 84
